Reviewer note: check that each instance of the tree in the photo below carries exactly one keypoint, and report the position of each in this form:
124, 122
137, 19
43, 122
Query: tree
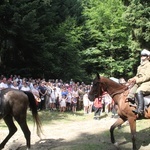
137, 16
73, 38
45, 38
107, 33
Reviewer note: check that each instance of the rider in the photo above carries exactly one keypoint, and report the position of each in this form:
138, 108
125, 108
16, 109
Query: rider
141, 82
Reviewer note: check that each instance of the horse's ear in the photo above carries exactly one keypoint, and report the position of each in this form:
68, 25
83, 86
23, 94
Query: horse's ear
98, 76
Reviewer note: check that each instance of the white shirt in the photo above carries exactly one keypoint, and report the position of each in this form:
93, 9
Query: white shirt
3, 85
14, 87
23, 88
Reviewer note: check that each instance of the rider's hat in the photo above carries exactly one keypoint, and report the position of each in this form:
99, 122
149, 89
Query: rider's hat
145, 52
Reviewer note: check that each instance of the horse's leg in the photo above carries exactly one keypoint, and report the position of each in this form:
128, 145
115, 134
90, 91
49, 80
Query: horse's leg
21, 119
12, 129
132, 123
119, 122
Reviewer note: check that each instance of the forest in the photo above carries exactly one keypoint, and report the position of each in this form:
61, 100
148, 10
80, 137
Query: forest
64, 39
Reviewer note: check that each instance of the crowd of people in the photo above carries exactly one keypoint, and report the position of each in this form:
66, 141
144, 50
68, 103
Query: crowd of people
55, 95
51, 94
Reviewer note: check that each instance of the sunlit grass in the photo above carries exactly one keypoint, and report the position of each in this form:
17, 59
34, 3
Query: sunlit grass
55, 116
48, 117
102, 140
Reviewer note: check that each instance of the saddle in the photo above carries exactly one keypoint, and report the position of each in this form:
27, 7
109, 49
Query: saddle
146, 98
146, 102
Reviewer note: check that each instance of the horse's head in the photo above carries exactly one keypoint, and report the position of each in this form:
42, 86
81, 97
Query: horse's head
96, 89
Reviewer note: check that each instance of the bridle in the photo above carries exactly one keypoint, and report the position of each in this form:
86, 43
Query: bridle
99, 92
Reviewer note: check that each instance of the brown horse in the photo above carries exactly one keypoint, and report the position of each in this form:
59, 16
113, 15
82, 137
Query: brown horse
14, 105
119, 94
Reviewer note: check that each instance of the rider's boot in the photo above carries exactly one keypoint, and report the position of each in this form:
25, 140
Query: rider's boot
140, 103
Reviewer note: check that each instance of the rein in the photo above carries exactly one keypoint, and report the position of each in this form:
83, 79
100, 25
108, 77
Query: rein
119, 92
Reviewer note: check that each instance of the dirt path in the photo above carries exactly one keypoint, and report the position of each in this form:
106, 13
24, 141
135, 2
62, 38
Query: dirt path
64, 136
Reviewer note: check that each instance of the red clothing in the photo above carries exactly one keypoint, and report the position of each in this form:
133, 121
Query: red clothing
98, 103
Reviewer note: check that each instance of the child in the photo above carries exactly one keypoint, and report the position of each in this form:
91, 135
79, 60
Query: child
86, 103
68, 101
97, 106
63, 103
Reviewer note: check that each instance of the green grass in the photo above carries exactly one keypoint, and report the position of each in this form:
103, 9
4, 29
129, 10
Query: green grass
48, 117
54, 116
122, 135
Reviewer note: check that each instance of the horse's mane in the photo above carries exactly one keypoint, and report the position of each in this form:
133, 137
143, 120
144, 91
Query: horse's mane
111, 82
111, 86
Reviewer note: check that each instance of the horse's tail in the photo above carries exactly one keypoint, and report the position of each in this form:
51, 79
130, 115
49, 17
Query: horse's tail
33, 107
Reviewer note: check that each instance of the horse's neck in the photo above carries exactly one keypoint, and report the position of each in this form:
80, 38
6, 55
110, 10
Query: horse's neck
114, 88
114, 92
119, 97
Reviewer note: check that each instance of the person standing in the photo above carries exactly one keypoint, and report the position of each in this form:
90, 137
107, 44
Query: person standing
53, 98
25, 86
86, 103
15, 85
3, 84
75, 96
36, 94
42, 91
97, 107
58, 94
68, 101
63, 103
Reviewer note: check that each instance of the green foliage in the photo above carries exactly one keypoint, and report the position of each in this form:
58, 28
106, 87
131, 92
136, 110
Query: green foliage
46, 37
108, 34
64, 53
73, 38
137, 15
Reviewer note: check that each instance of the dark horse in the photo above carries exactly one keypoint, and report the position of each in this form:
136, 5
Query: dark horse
14, 105
119, 94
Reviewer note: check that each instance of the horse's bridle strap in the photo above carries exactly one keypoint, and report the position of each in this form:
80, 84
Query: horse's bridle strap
118, 92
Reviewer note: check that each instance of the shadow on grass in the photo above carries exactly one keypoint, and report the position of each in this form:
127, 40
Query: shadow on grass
142, 135
102, 142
